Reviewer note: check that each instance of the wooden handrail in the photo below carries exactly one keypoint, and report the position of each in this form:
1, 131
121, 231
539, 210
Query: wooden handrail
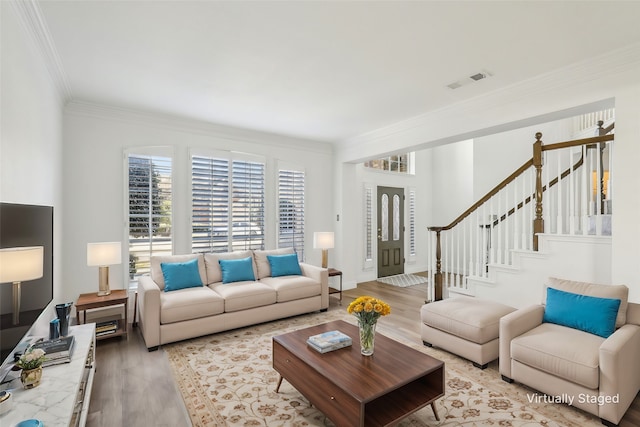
578, 142
486, 197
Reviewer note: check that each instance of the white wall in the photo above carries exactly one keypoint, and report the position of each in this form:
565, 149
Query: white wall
95, 138
452, 181
30, 131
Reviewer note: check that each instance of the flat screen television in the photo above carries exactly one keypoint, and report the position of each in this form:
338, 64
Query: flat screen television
25, 225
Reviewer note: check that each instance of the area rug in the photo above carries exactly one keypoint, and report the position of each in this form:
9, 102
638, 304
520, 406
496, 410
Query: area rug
227, 379
403, 280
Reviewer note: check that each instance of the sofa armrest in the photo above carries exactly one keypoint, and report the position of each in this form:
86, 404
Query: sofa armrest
619, 371
513, 325
149, 307
321, 275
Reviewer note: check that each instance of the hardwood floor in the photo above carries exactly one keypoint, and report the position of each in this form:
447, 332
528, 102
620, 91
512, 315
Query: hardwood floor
134, 387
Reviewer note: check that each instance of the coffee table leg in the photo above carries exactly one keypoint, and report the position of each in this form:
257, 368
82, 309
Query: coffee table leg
280, 382
435, 411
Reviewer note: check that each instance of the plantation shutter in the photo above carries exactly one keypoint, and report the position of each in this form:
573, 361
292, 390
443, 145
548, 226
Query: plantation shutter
291, 211
149, 211
210, 209
227, 204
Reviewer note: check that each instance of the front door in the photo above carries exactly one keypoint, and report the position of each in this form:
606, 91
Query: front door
390, 231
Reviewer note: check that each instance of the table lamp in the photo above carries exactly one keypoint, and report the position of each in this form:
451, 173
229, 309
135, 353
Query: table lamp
103, 255
323, 240
19, 265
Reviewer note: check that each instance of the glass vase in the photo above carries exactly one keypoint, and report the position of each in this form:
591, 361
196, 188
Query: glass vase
367, 337
31, 377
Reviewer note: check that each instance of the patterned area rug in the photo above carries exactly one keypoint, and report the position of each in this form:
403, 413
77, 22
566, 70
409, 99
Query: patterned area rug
403, 280
227, 379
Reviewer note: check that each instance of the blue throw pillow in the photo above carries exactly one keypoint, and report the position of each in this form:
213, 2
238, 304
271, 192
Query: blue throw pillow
284, 265
236, 270
586, 313
180, 275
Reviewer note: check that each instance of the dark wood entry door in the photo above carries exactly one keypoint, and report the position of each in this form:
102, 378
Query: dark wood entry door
390, 231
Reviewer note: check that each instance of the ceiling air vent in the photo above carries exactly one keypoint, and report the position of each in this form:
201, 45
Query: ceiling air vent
466, 80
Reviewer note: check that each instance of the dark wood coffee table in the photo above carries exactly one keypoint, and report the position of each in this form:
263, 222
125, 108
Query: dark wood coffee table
355, 390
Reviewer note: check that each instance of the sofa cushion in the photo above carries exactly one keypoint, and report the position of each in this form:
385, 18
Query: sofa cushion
284, 265
243, 295
156, 269
191, 303
211, 261
290, 288
262, 263
587, 313
564, 352
180, 275
237, 270
620, 292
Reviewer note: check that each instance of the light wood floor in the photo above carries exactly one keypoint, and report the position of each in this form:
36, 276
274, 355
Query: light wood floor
134, 387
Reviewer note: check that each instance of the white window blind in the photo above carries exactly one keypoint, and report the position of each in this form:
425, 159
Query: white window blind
149, 210
291, 211
368, 226
227, 204
412, 223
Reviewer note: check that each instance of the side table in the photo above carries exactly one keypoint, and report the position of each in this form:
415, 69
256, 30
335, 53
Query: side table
333, 272
92, 300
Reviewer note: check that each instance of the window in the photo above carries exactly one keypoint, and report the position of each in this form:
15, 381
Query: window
149, 210
227, 204
291, 211
399, 163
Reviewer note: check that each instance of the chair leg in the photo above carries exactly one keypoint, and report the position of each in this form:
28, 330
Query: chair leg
479, 366
608, 423
428, 344
507, 379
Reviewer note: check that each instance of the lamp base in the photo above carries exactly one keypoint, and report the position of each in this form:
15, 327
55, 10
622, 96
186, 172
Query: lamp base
103, 273
325, 258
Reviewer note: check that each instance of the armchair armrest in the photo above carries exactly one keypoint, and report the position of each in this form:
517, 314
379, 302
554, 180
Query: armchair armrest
321, 275
513, 325
619, 371
149, 306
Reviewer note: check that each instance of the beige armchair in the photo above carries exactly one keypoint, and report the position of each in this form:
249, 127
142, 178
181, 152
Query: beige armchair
596, 374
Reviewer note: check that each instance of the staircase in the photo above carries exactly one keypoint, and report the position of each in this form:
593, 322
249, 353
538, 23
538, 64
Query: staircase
551, 217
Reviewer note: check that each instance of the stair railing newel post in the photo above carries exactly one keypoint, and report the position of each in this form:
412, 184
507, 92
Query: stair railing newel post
437, 277
602, 146
538, 222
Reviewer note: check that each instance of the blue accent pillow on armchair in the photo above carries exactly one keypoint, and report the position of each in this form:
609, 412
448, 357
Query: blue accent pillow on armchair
180, 275
586, 313
284, 265
236, 270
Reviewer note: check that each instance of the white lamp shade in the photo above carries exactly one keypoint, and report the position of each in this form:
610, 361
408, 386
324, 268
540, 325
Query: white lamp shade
323, 240
21, 264
104, 253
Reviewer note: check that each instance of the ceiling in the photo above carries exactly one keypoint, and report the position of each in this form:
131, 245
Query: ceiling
322, 70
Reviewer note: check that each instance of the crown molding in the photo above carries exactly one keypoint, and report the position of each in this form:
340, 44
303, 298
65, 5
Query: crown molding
613, 63
31, 16
182, 124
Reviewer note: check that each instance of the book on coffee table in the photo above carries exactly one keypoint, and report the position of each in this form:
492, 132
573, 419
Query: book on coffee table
329, 341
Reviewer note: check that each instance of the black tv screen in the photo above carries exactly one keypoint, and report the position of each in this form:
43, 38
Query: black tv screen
25, 225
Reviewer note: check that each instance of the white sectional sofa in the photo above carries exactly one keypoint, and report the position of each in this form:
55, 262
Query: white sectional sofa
167, 316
